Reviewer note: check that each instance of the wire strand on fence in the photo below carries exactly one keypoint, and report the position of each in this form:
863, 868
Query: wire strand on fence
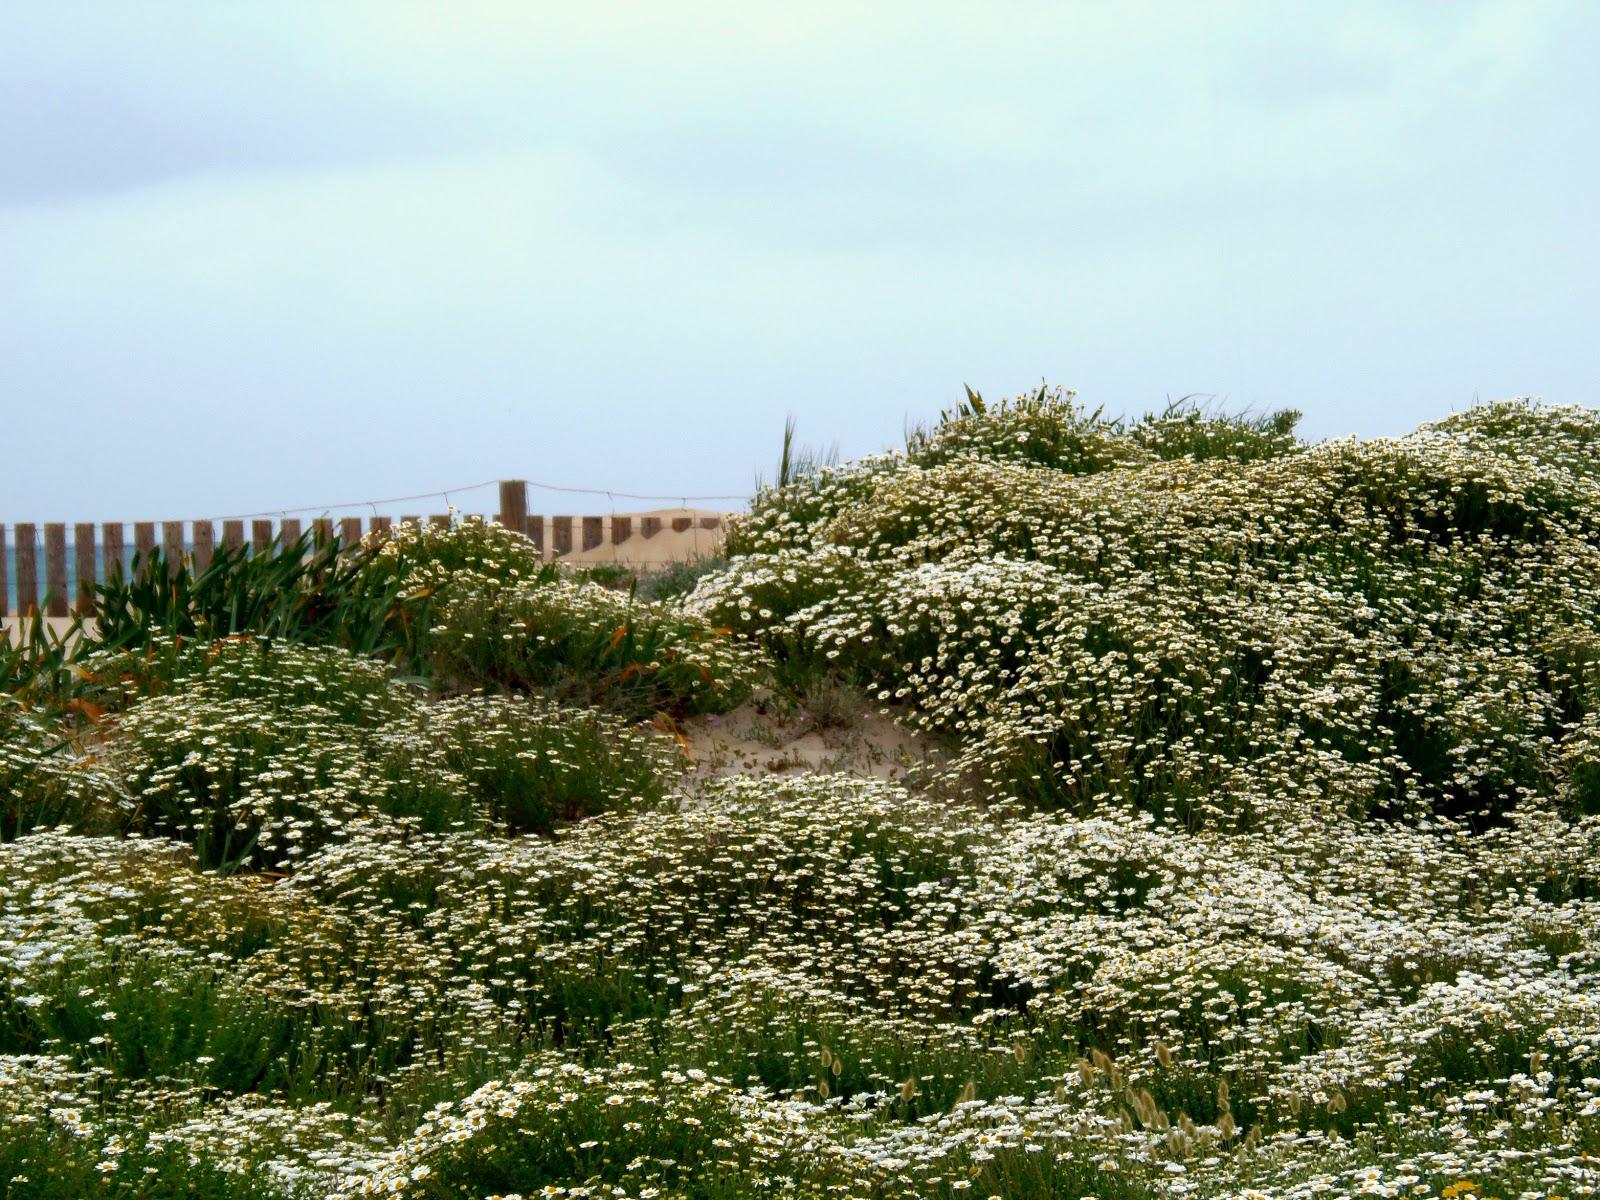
446, 493
372, 504
683, 500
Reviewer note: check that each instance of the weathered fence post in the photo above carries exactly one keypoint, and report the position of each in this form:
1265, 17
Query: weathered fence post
88, 572
514, 505
111, 548
172, 545
27, 571
5, 581
56, 602
144, 539
205, 544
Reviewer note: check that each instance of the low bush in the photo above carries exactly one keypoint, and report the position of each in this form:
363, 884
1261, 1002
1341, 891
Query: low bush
257, 753
46, 778
531, 765
1386, 628
588, 645
676, 580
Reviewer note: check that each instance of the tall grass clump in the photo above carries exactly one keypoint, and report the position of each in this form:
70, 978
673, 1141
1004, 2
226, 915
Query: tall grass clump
310, 590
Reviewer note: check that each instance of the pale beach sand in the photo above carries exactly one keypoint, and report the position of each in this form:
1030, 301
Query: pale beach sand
667, 546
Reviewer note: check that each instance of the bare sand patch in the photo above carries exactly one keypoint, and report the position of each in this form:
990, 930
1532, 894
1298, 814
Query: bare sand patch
763, 737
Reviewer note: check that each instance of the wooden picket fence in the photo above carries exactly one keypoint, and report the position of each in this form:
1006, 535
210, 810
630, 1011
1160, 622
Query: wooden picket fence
643, 540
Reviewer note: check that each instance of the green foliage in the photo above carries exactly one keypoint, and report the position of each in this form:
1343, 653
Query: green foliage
1046, 428
249, 767
586, 644
676, 580
428, 556
311, 590
531, 765
45, 779
36, 664
1387, 628
618, 577
1188, 430
256, 753
1265, 860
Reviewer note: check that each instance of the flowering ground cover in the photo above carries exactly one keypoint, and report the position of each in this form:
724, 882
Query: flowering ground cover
1262, 857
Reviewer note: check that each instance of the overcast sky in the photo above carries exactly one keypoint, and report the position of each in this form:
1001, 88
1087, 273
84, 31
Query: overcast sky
259, 256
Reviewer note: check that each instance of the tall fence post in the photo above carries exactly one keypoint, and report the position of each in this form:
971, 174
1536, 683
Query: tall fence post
27, 571
56, 601
111, 548
172, 545
88, 571
5, 580
205, 544
514, 505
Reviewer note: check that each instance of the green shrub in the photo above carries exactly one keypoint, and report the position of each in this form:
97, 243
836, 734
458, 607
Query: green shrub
46, 778
174, 977
676, 580
532, 765
1386, 628
257, 753
617, 577
310, 590
36, 665
428, 556
1046, 428
358, 690
249, 782
1266, 864
586, 644
1188, 431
